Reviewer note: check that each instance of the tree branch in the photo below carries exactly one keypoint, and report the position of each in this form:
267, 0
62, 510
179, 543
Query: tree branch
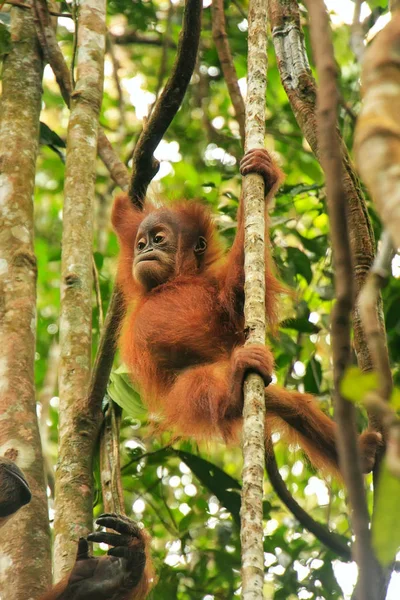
166, 107
357, 33
367, 301
331, 160
225, 58
334, 542
132, 37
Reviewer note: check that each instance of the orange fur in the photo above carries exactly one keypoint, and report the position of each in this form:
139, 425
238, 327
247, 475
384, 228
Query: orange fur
181, 338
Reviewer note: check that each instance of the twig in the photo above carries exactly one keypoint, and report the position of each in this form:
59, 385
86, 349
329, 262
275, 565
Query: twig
367, 303
110, 464
251, 530
132, 37
105, 353
240, 10
115, 64
331, 160
47, 392
53, 54
165, 109
357, 33
331, 540
225, 58
98, 293
75, 16
145, 455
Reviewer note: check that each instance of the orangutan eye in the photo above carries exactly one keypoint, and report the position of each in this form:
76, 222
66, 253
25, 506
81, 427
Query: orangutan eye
140, 245
159, 238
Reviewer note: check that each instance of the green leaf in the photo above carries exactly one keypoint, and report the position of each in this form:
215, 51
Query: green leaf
385, 521
301, 262
317, 245
98, 259
313, 377
121, 391
5, 40
218, 482
356, 384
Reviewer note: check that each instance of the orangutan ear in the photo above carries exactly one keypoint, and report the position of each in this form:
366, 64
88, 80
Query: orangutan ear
201, 246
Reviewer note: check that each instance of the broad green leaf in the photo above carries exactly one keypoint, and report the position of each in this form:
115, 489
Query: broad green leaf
301, 263
313, 377
385, 521
121, 391
356, 384
98, 259
219, 483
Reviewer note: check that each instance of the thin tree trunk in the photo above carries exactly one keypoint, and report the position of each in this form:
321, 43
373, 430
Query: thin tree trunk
251, 534
78, 425
300, 87
377, 141
370, 582
25, 545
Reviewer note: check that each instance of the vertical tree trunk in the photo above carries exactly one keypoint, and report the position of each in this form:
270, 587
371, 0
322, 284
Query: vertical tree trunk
251, 533
300, 87
377, 139
78, 425
370, 582
25, 544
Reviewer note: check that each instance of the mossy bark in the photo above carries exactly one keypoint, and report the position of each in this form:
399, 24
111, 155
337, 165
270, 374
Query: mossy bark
25, 540
78, 425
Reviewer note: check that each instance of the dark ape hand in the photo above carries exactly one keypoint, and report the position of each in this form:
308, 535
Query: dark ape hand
111, 576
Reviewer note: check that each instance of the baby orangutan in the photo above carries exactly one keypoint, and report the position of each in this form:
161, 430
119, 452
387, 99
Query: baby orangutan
183, 333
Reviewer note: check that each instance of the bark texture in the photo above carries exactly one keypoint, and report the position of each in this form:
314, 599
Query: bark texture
300, 87
369, 583
78, 425
377, 140
377, 278
25, 560
251, 533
